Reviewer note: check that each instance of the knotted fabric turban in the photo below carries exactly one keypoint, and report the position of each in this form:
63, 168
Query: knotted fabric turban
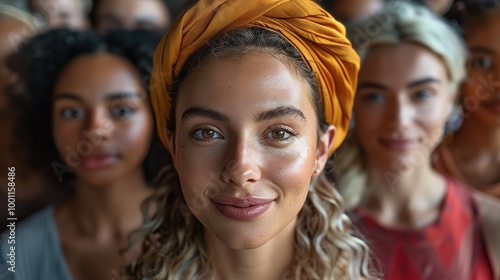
318, 37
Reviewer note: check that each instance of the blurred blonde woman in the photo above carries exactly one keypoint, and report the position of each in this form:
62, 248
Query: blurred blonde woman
419, 223
251, 98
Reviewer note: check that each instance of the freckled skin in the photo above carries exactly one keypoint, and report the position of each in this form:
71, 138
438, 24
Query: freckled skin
401, 110
245, 160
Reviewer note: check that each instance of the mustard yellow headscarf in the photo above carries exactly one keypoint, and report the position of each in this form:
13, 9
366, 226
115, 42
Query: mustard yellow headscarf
318, 37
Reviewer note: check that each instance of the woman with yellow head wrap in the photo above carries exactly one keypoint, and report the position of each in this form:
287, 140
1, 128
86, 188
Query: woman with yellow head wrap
251, 98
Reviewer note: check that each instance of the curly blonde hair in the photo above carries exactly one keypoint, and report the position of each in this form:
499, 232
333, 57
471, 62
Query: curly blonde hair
173, 246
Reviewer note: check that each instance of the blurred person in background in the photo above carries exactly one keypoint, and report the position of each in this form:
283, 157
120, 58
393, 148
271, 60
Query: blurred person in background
419, 223
32, 193
132, 14
348, 11
89, 122
472, 154
439, 7
72, 14
178, 6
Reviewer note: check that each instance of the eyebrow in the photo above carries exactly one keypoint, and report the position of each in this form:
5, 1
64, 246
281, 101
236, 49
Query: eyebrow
482, 50
424, 81
411, 84
112, 96
372, 85
278, 112
198, 111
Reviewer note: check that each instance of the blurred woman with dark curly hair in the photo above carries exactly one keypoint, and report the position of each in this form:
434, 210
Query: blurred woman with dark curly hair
88, 121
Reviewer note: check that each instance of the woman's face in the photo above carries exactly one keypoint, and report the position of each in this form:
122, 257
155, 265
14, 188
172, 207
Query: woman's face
402, 103
133, 14
246, 147
481, 92
101, 119
61, 14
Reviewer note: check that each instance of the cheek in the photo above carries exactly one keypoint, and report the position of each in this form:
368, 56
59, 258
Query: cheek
474, 91
434, 116
365, 127
291, 170
293, 166
199, 171
66, 137
135, 135
367, 118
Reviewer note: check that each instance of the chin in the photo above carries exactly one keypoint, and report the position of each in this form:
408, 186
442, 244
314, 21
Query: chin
95, 180
243, 243
242, 238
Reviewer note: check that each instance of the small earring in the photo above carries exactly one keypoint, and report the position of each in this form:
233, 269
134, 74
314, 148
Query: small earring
316, 171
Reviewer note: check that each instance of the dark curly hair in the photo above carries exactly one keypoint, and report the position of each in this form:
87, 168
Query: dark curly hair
38, 64
466, 13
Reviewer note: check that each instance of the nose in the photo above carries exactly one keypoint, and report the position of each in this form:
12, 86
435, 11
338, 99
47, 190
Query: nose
98, 126
399, 114
241, 166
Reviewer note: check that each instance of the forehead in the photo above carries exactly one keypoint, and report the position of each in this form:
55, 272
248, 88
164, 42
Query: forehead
245, 83
486, 33
132, 6
55, 6
399, 64
98, 74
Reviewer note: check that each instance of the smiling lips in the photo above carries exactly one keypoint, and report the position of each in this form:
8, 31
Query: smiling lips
242, 209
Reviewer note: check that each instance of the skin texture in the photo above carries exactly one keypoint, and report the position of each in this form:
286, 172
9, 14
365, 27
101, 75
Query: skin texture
402, 102
246, 154
100, 109
476, 145
133, 14
61, 13
93, 224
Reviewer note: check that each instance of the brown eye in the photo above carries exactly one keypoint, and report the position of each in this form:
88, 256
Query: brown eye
206, 134
280, 134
